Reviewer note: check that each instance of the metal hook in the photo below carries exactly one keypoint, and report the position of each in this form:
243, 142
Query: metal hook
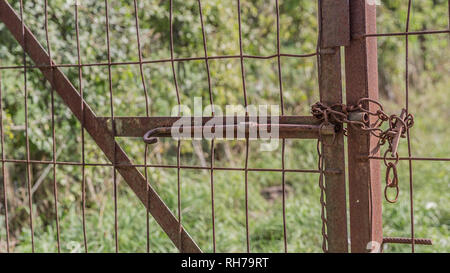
151, 137
391, 183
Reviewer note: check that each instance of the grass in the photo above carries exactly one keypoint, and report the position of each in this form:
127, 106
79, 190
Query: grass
431, 199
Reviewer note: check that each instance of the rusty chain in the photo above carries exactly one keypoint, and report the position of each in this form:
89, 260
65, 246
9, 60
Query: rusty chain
357, 115
323, 217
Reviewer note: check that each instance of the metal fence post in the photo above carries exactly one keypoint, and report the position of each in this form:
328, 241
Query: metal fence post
334, 33
364, 174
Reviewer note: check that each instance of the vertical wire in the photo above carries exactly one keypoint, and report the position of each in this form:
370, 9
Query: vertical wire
283, 185
212, 196
83, 159
411, 182
211, 100
55, 185
319, 140
5, 194
322, 195
24, 56
448, 22
111, 102
180, 226
241, 55
141, 70
283, 173
147, 207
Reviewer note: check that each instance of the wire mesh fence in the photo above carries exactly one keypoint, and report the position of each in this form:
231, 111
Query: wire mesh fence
406, 34
107, 69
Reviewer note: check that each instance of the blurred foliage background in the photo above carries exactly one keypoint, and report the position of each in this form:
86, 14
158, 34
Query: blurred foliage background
429, 67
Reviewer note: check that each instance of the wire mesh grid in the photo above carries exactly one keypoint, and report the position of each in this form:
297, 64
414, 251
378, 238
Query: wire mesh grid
410, 158
172, 61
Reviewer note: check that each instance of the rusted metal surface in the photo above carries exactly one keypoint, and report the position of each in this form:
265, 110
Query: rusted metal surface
398, 132
364, 174
243, 130
349, 23
138, 126
96, 129
403, 123
423, 32
334, 26
359, 117
399, 240
335, 23
413, 158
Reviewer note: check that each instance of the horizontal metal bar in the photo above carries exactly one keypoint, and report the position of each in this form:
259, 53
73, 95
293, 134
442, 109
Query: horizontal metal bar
400, 240
186, 59
250, 130
443, 159
98, 131
423, 32
166, 166
307, 126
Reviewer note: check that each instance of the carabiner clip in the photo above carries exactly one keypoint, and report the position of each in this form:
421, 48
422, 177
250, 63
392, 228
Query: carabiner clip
391, 183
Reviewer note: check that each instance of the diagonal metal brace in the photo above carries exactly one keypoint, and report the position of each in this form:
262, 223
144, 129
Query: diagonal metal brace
98, 130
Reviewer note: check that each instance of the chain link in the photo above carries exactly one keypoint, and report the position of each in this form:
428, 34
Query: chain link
340, 114
323, 204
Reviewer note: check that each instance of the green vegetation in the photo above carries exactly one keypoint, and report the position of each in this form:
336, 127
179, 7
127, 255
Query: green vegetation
429, 99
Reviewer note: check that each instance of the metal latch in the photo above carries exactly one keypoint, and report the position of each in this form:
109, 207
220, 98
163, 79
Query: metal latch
241, 129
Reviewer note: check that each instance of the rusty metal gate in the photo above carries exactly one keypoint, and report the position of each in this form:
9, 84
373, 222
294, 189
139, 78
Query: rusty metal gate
344, 25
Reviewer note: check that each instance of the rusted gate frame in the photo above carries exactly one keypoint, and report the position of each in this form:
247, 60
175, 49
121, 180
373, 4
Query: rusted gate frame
334, 32
98, 131
138, 126
364, 175
363, 158
334, 29
331, 20
361, 81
